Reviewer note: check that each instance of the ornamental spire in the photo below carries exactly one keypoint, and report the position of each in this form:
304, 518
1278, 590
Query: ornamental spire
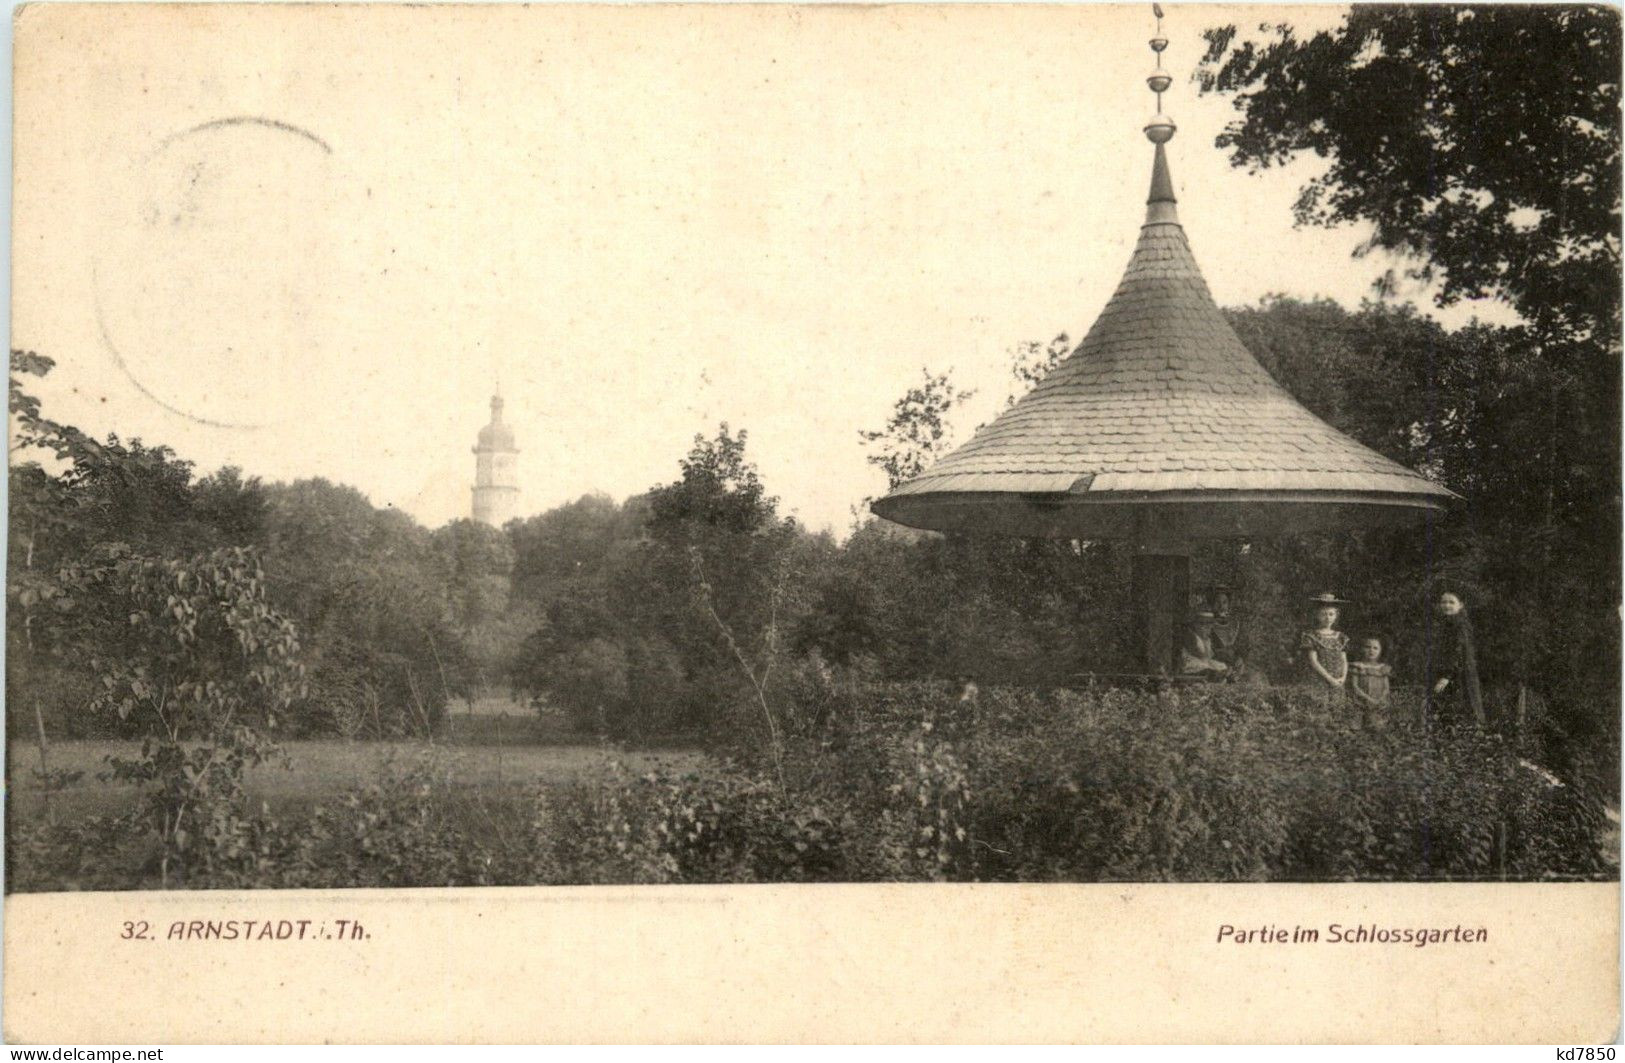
1160, 130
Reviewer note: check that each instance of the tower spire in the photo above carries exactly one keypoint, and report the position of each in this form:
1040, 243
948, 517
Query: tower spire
1160, 130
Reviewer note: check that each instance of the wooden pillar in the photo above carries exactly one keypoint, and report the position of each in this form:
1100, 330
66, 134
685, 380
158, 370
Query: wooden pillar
1161, 588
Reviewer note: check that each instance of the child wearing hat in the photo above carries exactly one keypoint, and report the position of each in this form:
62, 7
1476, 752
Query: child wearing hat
1325, 649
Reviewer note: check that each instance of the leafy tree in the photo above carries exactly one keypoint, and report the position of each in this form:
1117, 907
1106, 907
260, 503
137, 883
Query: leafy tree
477, 562
843, 624
43, 514
233, 508
1483, 140
95, 495
589, 681
192, 653
719, 490
917, 431
371, 594
674, 582
128, 606
1032, 361
115, 491
570, 543
31, 427
568, 565
716, 579
719, 512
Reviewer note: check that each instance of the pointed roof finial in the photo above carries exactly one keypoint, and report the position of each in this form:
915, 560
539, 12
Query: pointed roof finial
1160, 130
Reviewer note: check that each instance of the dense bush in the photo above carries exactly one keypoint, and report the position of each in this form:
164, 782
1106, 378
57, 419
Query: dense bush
913, 782
1225, 785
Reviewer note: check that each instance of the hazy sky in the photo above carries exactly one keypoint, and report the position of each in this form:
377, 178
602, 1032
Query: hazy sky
306, 241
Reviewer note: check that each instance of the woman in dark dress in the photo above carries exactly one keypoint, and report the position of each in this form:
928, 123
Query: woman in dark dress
1454, 694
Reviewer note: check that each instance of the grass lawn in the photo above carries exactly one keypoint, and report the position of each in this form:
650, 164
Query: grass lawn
319, 770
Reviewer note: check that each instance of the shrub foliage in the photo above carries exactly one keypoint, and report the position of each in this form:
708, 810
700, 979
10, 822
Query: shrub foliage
908, 782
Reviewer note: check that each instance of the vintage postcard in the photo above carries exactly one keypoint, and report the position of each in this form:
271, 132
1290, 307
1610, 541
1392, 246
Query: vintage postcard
814, 523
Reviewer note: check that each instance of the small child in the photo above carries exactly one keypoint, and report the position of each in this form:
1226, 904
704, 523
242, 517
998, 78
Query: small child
1368, 683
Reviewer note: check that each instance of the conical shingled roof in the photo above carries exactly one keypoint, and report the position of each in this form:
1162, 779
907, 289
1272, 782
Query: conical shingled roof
1160, 425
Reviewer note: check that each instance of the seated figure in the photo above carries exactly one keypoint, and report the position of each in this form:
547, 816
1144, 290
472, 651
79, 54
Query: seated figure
1230, 639
1196, 656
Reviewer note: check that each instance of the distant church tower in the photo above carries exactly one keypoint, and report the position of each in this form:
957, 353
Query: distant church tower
496, 476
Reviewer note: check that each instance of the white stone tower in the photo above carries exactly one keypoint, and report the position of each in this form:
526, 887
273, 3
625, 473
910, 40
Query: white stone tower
496, 473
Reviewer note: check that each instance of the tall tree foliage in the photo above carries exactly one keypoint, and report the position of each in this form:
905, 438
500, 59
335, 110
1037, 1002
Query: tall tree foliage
89, 495
910, 604
649, 607
1031, 362
917, 431
375, 601
476, 563
393, 622
126, 614
572, 543
1483, 143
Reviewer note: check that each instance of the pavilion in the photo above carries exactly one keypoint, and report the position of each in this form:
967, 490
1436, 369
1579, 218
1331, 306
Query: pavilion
1159, 429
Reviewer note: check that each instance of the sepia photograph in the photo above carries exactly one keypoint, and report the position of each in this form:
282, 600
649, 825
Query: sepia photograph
672, 445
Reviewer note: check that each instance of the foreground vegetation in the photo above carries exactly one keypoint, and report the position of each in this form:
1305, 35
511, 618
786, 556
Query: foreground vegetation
911, 782
310, 772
